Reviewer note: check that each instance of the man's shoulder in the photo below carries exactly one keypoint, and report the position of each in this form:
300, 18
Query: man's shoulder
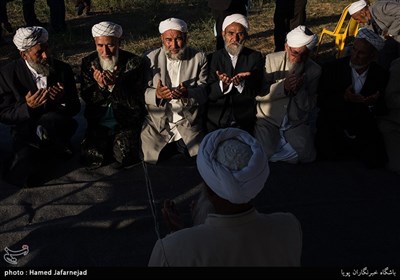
153, 52
280, 218
11, 66
127, 54
90, 57
311, 64
129, 58
60, 63
194, 53
250, 51
276, 55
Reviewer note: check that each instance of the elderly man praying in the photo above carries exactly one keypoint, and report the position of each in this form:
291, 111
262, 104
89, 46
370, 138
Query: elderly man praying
290, 96
112, 87
235, 78
175, 95
38, 98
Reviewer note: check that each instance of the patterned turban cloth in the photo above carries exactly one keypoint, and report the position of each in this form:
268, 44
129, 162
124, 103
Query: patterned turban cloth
27, 37
107, 28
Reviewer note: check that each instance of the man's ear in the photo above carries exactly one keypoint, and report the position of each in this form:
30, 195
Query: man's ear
23, 54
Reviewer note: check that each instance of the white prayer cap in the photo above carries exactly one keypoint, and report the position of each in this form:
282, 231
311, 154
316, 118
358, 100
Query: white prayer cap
301, 36
233, 164
107, 28
373, 38
238, 18
357, 6
27, 37
174, 24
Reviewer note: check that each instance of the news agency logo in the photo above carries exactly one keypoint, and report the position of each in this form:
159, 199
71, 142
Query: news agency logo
10, 255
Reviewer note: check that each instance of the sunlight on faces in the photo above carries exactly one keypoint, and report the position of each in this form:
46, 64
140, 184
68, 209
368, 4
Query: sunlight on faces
361, 16
174, 43
108, 50
234, 36
362, 54
297, 54
38, 58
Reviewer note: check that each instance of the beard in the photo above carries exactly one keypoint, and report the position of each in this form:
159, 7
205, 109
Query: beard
43, 67
109, 64
234, 48
174, 56
357, 66
296, 68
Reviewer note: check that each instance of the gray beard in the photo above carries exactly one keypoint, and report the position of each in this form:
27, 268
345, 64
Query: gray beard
175, 56
109, 64
296, 68
41, 68
234, 51
357, 67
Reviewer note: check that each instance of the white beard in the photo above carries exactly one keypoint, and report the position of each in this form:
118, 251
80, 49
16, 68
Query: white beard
357, 67
42, 69
234, 51
109, 64
174, 56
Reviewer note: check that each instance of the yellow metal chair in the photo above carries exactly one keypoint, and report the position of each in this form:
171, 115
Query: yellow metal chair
341, 31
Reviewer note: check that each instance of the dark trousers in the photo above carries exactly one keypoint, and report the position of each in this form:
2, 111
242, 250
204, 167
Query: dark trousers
101, 146
30, 152
3, 11
288, 15
358, 137
28, 10
57, 15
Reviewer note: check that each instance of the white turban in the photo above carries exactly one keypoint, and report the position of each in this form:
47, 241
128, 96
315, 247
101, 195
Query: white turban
238, 18
357, 6
174, 24
107, 28
233, 164
301, 36
373, 38
26, 37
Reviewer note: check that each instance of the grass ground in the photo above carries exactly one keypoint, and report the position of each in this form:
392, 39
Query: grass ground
140, 20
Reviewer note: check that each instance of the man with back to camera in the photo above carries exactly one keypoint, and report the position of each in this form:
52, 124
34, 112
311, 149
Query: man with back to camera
284, 109
234, 168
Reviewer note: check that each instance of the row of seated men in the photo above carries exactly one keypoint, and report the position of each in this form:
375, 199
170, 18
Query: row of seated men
153, 106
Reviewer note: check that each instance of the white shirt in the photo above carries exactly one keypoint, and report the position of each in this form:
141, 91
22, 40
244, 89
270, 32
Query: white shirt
174, 106
358, 80
240, 87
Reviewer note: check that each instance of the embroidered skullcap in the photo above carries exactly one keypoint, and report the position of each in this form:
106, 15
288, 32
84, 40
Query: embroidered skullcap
357, 6
301, 36
233, 164
373, 38
27, 37
174, 24
238, 18
107, 28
